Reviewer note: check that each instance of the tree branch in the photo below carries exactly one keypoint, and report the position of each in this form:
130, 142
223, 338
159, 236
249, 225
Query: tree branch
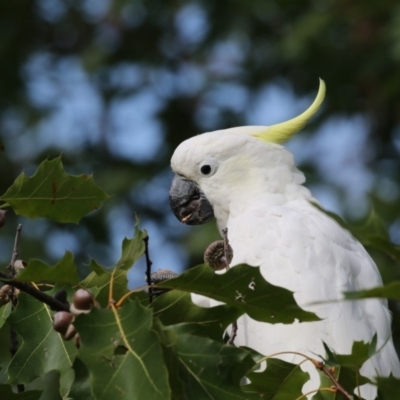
53, 303
148, 267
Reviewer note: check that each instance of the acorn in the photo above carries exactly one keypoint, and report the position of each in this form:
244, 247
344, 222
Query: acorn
19, 265
62, 320
7, 292
83, 302
215, 255
162, 275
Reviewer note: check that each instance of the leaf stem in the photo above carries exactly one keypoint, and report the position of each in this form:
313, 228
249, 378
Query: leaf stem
13, 298
316, 363
5, 205
126, 295
111, 289
303, 396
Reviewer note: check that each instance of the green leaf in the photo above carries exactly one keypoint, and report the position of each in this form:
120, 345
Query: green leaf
132, 249
388, 388
80, 389
100, 278
176, 308
347, 366
279, 381
202, 369
389, 291
42, 349
6, 393
360, 353
122, 353
4, 313
245, 288
65, 271
53, 194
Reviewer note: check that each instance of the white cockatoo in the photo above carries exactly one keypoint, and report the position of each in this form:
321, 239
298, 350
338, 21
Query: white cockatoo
246, 179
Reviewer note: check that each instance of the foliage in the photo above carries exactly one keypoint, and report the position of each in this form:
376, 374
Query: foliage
146, 343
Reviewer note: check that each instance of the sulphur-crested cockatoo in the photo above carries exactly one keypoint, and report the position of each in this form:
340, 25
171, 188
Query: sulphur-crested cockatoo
246, 179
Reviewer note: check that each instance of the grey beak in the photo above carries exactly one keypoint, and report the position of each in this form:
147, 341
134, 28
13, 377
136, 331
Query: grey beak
188, 202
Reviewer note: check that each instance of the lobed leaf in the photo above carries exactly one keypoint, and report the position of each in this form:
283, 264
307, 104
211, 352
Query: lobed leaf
132, 249
176, 308
203, 369
242, 287
101, 277
63, 272
53, 194
123, 354
280, 380
347, 366
42, 349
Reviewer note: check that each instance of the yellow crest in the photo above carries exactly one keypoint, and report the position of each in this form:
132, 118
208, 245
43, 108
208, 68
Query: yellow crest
283, 131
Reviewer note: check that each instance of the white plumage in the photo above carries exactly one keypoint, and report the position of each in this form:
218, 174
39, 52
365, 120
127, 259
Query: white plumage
257, 193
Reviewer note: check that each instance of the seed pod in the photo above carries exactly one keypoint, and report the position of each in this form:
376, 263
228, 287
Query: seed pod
83, 302
215, 255
2, 217
62, 320
162, 275
7, 293
19, 265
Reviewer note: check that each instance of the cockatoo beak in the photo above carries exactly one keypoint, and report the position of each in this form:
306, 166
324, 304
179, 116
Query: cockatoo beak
188, 202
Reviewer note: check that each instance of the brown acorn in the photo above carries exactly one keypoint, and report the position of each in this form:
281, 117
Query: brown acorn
215, 255
7, 293
83, 302
62, 320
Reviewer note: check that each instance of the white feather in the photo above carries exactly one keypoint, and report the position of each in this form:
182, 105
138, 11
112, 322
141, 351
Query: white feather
257, 194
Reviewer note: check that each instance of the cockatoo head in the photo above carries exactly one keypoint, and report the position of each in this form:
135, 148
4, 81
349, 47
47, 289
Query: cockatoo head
217, 170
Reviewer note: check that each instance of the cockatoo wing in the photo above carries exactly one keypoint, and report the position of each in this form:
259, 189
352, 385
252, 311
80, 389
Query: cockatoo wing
300, 248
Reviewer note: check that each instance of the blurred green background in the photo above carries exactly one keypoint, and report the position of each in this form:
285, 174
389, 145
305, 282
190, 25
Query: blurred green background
115, 86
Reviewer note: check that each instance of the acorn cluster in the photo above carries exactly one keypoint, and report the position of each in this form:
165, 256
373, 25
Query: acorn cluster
82, 303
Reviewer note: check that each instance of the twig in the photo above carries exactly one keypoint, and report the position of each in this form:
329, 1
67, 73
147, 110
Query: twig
15, 250
13, 298
233, 332
148, 267
337, 385
53, 303
226, 247
227, 258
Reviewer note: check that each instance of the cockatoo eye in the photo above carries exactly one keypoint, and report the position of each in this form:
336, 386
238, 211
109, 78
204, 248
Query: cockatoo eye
205, 169
208, 167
